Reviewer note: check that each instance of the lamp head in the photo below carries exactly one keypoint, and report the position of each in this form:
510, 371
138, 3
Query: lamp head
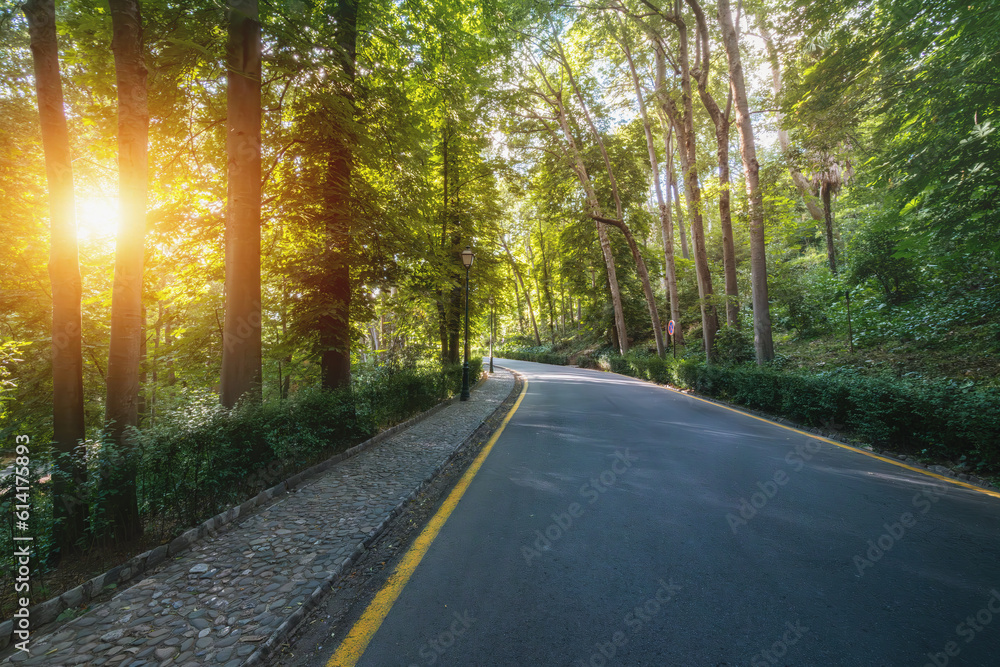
467, 257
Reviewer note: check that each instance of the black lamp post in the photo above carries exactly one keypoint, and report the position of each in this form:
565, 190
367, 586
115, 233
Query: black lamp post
492, 328
467, 259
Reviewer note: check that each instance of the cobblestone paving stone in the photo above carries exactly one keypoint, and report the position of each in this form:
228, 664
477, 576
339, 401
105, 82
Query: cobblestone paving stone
220, 600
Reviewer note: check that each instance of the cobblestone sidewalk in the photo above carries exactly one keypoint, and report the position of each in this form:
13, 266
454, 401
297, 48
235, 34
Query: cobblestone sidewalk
229, 599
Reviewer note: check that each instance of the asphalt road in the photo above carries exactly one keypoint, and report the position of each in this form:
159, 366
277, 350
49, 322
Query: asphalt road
616, 522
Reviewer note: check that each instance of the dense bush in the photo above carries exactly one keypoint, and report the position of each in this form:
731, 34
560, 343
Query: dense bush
733, 345
542, 354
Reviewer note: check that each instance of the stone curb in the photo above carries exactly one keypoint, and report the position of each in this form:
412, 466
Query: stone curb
291, 624
46, 612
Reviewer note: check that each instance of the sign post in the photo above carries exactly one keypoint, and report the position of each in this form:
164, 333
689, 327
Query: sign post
673, 341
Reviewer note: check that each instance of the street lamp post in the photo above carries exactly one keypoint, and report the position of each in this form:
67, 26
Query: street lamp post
492, 327
467, 259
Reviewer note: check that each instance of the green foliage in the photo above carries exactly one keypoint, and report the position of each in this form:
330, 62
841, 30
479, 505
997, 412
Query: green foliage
9, 352
874, 255
802, 291
542, 354
734, 346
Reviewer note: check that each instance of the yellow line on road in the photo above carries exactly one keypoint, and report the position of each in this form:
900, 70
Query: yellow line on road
354, 645
849, 448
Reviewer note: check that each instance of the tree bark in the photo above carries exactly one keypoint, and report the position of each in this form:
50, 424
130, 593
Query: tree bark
121, 409
335, 324
64, 273
763, 343
683, 121
685, 253
720, 119
520, 313
831, 250
241, 350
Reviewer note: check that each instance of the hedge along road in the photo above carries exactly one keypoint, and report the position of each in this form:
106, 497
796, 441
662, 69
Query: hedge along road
617, 522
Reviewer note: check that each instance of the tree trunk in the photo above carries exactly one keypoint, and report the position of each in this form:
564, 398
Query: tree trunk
831, 251
683, 122
763, 343
64, 273
666, 225
121, 408
455, 325
520, 314
534, 277
442, 326
643, 277
548, 286
241, 350
685, 253
668, 147
602, 236
527, 297
143, 404
720, 119
335, 324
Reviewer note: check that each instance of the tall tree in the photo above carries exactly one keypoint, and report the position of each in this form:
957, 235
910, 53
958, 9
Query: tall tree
682, 119
554, 98
241, 350
64, 274
620, 221
127, 315
663, 203
763, 343
720, 118
334, 323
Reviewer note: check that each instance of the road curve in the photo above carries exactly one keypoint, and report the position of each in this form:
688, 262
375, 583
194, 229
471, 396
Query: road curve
617, 522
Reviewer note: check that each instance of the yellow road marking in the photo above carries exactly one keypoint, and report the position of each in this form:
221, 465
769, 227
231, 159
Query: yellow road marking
849, 448
354, 645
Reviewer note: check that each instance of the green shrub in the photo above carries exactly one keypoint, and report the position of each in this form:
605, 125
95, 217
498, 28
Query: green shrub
733, 345
202, 458
542, 354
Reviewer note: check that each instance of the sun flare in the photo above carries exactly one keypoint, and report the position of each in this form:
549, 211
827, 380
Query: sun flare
97, 217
